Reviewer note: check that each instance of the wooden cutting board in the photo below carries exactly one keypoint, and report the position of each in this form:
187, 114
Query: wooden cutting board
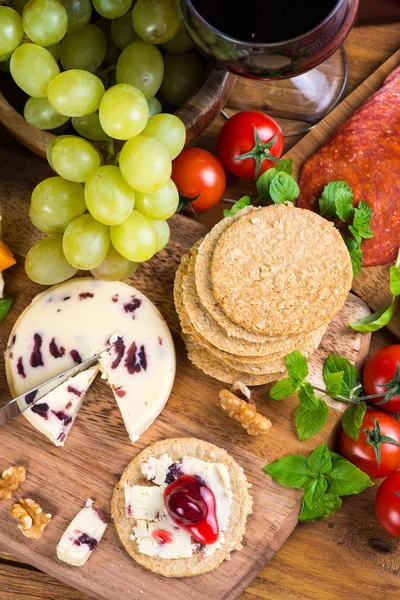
98, 449
372, 283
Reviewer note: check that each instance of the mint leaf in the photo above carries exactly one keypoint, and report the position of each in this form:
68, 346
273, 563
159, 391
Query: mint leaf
312, 413
5, 305
241, 203
351, 377
353, 247
376, 321
353, 418
283, 188
362, 220
325, 507
395, 280
297, 367
264, 181
290, 470
320, 460
334, 382
345, 478
336, 201
282, 389
314, 489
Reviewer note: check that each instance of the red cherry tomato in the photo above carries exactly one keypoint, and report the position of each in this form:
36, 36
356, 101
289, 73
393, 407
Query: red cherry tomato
363, 454
250, 134
379, 369
197, 172
387, 504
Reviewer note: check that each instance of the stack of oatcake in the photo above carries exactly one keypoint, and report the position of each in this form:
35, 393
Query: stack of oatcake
261, 284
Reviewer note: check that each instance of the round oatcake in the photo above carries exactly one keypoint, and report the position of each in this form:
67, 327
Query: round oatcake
281, 270
241, 506
204, 360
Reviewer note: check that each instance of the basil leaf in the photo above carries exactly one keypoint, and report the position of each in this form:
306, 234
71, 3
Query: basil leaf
297, 367
283, 188
290, 470
282, 389
376, 321
5, 305
312, 413
320, 460
241, 203
264, 181
395, 280
336, 201
353, 418
334, 382
345, 478
325, 507
351, 377
314, 489
353, 247
362, 219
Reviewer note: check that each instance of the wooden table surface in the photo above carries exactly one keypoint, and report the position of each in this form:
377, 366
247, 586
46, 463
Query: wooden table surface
346, 556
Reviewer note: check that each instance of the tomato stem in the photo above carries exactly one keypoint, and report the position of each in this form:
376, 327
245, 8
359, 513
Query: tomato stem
260, 152
374, 438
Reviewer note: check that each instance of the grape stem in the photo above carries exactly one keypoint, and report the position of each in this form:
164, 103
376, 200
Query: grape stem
111, 156
106, 71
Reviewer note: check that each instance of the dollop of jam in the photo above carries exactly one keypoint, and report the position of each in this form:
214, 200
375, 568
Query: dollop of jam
191, 505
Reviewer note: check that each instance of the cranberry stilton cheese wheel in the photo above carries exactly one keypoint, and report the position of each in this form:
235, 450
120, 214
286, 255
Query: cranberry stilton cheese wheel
70, 322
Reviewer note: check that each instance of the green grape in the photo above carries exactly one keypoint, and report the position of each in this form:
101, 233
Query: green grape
45, 21
123, 111
79, 13
112, 9
180, 43
45, 262
108, 197
156, 21
207, 35
154, 106
122, 31
169, 130
55, 51
75, 93
136, 238
114, 267
163, 234
89, 127
74, 158
86, 242
85, 49
145, 164
42, 224
11, 31
56, 202
112, 51
49, 149
182, 74
32, 68
141, 65
159, 205
18, 5
39, 113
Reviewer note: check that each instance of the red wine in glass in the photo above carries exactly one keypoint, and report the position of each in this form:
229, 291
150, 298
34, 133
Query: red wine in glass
278, 40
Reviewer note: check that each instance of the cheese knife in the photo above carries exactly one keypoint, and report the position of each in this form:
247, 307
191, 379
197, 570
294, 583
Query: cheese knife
13, 408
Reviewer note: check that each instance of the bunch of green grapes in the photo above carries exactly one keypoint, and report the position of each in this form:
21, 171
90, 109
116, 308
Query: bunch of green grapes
102, 74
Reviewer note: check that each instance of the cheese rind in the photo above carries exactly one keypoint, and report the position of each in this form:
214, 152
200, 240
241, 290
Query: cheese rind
82, 536
74, 320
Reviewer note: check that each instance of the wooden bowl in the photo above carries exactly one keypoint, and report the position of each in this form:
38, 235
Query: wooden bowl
197, 112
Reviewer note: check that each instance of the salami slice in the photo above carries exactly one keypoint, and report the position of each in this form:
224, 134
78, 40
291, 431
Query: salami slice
365, 152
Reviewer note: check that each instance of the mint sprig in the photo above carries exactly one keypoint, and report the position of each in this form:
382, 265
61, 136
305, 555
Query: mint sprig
277, 184
239, 204
5, 305
324, 476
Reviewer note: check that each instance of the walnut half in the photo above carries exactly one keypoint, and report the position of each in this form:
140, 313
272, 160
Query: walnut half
32, 519
10, 481
244, 410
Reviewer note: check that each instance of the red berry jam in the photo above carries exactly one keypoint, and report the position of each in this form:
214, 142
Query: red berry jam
191, 505
162, 536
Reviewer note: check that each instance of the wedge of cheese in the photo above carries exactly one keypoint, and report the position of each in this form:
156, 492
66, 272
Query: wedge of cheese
77, 319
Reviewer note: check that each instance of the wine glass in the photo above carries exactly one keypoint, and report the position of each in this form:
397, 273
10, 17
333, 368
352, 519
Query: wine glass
292, 48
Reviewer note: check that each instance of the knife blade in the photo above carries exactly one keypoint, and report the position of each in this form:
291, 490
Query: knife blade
30, 398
